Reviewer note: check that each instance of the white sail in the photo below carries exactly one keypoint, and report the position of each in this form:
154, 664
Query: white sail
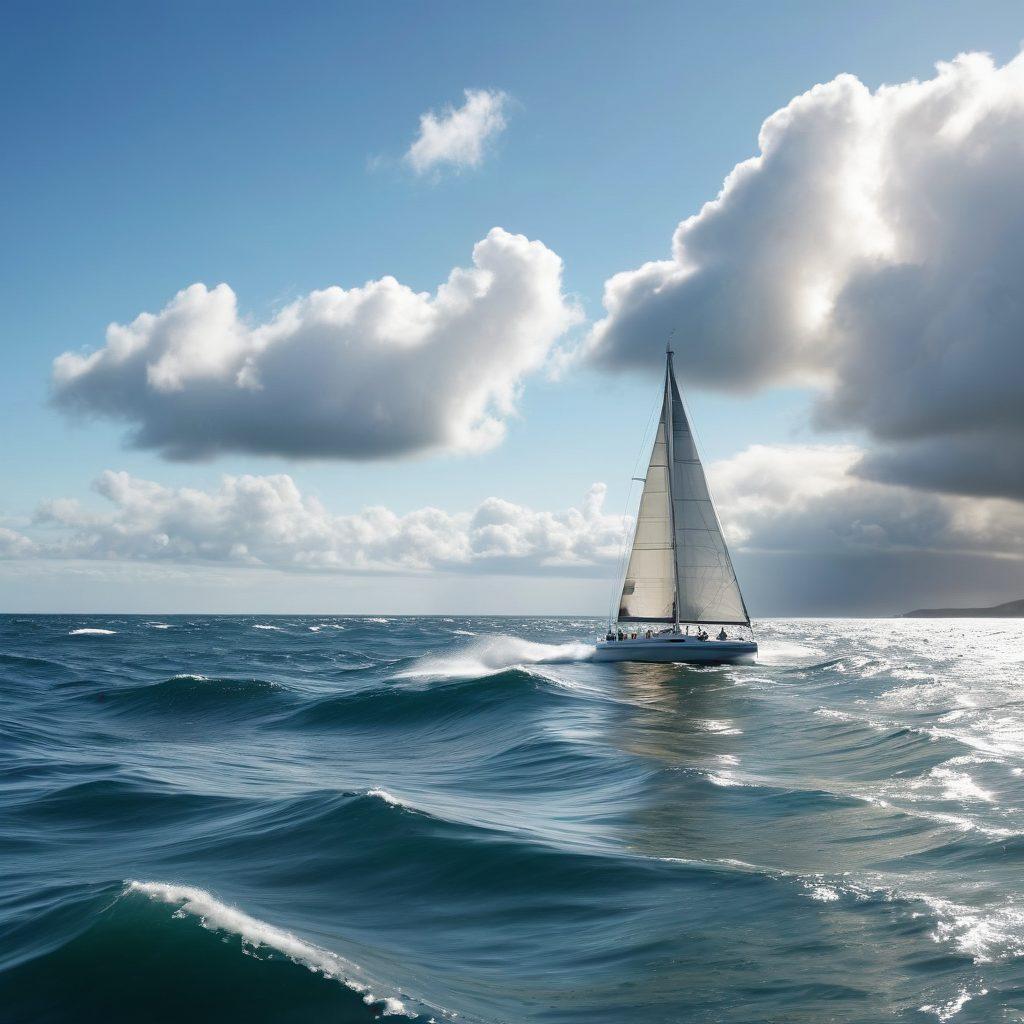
649, 589
679, 569
708, 589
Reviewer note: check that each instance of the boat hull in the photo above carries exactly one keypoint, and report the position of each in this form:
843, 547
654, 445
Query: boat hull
678, 650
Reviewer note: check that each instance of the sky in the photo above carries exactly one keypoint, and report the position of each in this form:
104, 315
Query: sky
361, 308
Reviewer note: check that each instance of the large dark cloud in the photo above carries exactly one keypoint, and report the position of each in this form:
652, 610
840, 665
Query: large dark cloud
983, 465
810, 536
874, 248
810, 499
362, 373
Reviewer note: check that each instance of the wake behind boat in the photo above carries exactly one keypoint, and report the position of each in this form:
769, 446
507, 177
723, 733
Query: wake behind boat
679, 572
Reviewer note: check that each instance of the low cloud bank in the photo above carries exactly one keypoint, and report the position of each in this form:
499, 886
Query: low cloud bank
371, 372
791, 504
267, 521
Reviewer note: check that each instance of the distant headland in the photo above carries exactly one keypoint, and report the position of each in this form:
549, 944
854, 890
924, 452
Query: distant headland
1007, 610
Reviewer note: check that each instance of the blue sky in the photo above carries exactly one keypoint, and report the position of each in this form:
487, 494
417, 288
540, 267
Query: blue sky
149, 146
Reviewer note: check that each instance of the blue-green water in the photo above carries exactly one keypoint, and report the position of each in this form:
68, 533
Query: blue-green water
334, 819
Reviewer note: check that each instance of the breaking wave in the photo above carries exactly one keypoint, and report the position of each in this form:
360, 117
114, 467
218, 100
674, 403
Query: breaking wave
256, 934
491, 655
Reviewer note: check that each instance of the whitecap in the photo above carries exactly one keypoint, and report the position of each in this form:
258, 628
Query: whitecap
985, 935
92, 632
278, 629
823, 893
254, 933
388, 798
956, 785
965, 824
491, 655
949, 1009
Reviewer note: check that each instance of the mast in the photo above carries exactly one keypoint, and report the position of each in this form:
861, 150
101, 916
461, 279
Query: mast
669, 431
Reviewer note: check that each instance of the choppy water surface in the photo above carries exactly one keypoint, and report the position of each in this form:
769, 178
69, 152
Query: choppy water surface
337, 819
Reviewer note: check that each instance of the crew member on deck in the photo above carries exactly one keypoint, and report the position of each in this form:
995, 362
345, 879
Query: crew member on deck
723, 635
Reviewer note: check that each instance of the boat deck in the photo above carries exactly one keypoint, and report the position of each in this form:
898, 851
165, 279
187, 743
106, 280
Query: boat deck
677, 649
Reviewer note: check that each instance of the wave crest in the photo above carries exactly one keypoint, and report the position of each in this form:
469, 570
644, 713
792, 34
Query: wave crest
492, 655
254, 933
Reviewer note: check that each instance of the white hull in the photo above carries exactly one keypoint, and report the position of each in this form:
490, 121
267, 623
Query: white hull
678, 650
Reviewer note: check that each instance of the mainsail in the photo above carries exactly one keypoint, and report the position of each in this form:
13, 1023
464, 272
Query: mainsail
679, 567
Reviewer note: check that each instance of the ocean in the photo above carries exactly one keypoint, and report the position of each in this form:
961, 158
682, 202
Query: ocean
347, 819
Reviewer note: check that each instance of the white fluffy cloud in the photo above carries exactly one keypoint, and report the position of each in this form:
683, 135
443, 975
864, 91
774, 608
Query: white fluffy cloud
458, 136
361, 373
875, 248
267, 521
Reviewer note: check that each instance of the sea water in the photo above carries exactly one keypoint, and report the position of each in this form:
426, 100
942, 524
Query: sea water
353, 818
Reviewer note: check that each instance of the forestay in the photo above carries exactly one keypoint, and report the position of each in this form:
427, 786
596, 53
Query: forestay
679, 568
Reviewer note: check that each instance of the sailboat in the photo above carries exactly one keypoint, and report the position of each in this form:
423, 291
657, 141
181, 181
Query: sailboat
679, 575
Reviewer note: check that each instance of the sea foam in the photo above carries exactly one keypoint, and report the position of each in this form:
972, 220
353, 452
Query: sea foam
491, 655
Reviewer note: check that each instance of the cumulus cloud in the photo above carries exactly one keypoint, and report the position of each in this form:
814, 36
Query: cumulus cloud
874, 248
362, 373
458, 136
266, 521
